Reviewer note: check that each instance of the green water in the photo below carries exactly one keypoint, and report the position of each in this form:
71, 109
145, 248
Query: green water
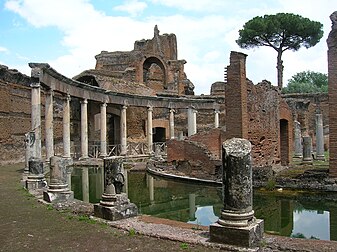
285, 213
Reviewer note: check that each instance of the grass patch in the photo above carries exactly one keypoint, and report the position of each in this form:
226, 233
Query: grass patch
86, 219
132, 232
184, 246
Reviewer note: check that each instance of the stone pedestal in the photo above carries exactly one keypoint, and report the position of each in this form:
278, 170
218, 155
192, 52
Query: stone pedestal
307, 147
237, 225
35, 178
114, 206
58, 190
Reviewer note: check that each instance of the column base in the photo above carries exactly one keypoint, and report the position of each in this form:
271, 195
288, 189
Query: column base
307, 161
249, 236
115, 207
320, 157
58, 193
34, 182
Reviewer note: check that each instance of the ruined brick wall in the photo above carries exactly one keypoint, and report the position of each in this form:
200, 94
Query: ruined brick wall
193, 159
263, 126
332, 81
212, 139
236, 97
286, 134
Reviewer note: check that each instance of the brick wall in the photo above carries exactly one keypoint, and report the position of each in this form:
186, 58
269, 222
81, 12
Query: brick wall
236, 97
332, 81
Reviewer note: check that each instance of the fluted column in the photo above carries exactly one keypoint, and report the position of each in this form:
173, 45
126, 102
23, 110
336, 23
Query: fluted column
123, 130
103, 130
36, 118
49, 125
216, 118
84, 128
171, 123
149, 130
66, 127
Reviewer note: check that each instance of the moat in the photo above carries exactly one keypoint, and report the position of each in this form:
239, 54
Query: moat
287, 213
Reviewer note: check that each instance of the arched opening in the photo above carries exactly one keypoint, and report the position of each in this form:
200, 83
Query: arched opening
159, 134
284, 142
154, 74
88, 79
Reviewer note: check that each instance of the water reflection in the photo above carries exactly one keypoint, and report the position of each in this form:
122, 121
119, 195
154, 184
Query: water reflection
288, 214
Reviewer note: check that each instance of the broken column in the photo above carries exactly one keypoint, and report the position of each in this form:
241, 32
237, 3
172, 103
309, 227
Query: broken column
29, 149
307, 147
35, 179
114, 205
237, 224
298, 140
319, 138
58, 190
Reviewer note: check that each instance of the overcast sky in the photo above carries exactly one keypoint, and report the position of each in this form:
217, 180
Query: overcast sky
68, 34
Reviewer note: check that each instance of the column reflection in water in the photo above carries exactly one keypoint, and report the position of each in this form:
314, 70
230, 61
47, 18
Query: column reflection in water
85, 184
191, 201
151, 188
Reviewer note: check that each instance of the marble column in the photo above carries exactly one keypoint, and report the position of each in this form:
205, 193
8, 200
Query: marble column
49, 125
66, 127
123, 129
149, 130
195, 121
192, 207
216, 118
237, 224
319, 138
171, 119
103, 130
84, 129
36, 118
298, 140
307, 147
191, 121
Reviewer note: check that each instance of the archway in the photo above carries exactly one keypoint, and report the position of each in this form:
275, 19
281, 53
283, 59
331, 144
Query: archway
284, 142
154, 75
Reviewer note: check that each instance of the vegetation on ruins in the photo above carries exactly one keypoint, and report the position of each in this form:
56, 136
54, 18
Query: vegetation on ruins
307, 82
282, 31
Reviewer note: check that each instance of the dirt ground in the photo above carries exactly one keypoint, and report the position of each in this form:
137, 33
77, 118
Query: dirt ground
28, 225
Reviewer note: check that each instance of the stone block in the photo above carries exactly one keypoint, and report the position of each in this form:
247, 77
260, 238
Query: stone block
249, 236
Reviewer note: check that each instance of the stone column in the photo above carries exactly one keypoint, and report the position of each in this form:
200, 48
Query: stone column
191, 121
29, 153
85, 184
298, 140
171, 123
49, 125
195, 121
237, 224
149, 130
84, 129
123, 130
58, 190
66, 127
103, 130
151, 188
319, 138
307, 145
216, 118
36, 118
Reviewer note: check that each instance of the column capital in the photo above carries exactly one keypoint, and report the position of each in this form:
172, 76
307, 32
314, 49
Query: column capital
49, 92
84, 101
67, 97
124, 107
35, 85
172, 110
104, 104
150, 108
216, 111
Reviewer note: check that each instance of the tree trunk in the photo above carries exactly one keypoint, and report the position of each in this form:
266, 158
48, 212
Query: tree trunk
279, 69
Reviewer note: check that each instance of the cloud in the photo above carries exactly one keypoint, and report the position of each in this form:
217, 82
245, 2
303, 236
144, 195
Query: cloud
3, 49
133, 7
